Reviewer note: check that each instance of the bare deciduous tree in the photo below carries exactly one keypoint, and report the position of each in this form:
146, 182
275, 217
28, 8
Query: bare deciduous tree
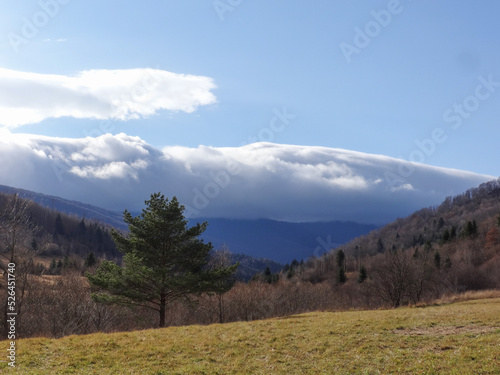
18, 248
393, 277
221, 259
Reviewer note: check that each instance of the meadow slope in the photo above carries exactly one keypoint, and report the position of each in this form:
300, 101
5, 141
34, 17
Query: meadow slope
458, 338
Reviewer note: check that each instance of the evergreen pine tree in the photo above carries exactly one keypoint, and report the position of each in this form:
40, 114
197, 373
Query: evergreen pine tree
474, 228
428, 246
470, 229
362, 274
380, 246
341, 276
447, 262
437, 260
90, 260
446, 236
59, 225
440, 223
340, 258
268, 275
163, 259
416, 253
82, 227
66, 262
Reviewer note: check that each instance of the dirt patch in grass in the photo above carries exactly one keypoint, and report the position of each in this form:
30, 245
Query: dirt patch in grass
445, 331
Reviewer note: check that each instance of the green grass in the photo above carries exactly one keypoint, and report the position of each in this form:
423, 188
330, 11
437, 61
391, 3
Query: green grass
460, 338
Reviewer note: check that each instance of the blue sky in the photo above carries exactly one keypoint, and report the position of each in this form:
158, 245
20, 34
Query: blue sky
285, 54
417, 80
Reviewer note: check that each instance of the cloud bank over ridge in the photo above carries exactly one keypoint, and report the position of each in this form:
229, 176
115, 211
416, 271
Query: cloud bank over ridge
28, 98
260, 180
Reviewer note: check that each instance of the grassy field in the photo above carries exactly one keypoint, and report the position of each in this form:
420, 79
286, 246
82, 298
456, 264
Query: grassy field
459, 338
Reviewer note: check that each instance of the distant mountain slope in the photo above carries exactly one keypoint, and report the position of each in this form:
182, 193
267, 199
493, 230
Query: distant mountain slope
58, 233
439, 225
267, 239
458, 242
69, 207
281, 241
250, 266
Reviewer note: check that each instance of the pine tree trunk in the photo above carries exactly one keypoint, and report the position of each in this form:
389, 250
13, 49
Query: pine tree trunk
163, 307
221, 308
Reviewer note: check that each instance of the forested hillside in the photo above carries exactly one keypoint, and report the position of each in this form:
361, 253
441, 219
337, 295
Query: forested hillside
52, 235
451, 248
434, 253
72, 208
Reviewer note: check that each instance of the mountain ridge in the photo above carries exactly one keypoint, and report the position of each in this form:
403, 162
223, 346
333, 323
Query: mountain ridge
70, 207
266, 239
299, 241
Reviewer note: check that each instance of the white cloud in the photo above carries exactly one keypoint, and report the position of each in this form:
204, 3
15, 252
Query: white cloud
27, 98
263, 180
115, 169
402, 187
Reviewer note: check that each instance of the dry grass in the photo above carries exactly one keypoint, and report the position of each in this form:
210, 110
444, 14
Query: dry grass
45, 261
445, 331
469, 296
461, 338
